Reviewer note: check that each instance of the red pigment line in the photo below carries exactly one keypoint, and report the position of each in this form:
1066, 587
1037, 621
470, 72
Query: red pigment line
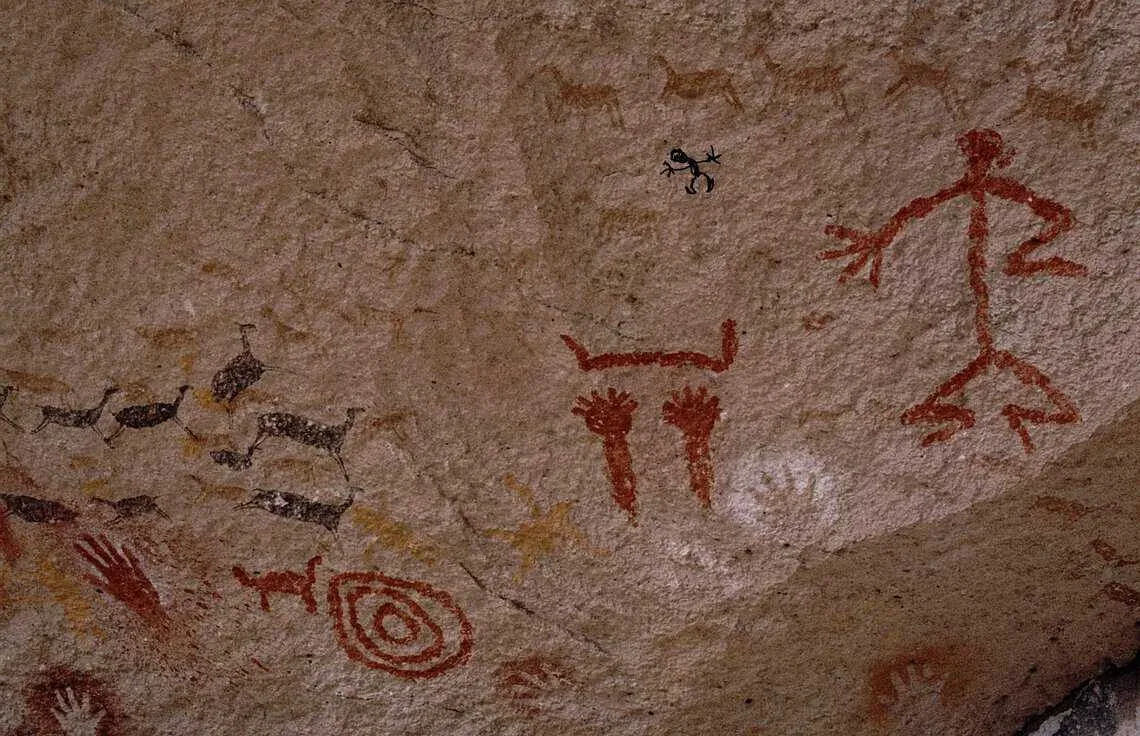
9, 546
695, 413
729, 345
611, 416
257, 662
123, 578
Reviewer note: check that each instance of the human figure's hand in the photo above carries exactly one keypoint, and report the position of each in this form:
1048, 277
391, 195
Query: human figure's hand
74, 715
863, 247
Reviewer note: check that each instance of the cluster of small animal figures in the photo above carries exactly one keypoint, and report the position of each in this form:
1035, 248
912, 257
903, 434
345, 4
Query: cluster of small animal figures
235, 377
785, 82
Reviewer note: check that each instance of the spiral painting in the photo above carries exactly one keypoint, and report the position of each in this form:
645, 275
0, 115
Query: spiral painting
404, 627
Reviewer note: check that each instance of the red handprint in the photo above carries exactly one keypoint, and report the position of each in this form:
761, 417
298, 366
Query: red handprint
695, 413
611, 416
122, 577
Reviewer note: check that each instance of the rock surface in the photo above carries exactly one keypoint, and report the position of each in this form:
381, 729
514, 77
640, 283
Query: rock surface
658, 369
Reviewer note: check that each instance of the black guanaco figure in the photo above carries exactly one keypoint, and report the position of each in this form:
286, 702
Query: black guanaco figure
150, 415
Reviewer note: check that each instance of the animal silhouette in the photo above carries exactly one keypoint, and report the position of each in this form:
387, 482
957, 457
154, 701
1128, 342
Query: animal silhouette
242, 371
823, 79
150, 415
37, 510
581, 97
329, 438
920, 74
5, 392
75, 417
1058, 106
285, 582
295, 506
698, 84
127, 508
233, 459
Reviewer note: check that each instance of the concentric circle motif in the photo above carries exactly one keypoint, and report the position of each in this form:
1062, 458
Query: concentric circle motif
404, 627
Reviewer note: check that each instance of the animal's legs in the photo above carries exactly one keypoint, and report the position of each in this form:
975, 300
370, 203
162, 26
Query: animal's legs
340, 462
934, 410
184, 428
118, 430
1066, 411
43, 423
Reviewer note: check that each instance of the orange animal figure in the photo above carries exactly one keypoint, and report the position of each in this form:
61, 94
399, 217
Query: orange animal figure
286, 582
698, 84
582, 97
920, 74
823, 79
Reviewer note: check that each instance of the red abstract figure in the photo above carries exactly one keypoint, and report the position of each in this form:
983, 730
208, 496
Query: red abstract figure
695, 413
728, 347
983, 149
284, 581
611, 416
404, 627
122, 577
525, 681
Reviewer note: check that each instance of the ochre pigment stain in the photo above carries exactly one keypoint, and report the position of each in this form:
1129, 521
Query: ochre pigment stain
983, 149
544, 534
1071, 510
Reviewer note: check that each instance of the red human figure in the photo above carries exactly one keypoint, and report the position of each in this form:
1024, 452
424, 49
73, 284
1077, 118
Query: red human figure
122, 576
611, 416
983, 150
695, 413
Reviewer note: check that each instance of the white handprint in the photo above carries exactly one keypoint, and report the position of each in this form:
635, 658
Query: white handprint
75, 716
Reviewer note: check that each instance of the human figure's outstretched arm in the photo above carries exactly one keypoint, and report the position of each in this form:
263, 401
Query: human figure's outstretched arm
870, 245
1057, 219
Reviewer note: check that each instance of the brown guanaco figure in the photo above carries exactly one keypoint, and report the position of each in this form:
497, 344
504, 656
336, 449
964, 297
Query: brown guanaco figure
582, 97
285, 582
698, 84
823, 79
920, 74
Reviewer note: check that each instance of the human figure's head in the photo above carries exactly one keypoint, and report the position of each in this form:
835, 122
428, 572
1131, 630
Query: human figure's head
679, 156
983, 148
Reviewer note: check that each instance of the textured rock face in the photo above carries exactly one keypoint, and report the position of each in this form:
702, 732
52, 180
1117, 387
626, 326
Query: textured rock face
477, 368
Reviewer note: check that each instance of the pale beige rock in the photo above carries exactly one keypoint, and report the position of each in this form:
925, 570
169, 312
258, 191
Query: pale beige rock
412, 202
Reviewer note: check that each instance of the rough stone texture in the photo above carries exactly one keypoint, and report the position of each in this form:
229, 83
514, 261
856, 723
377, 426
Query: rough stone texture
413, 202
